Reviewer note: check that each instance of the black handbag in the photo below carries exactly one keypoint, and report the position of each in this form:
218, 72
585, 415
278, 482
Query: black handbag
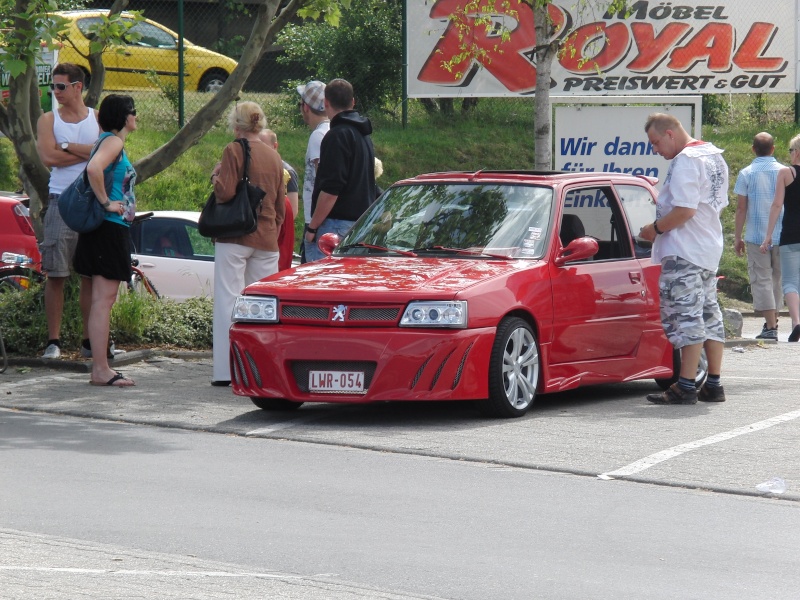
78, 205
237, 217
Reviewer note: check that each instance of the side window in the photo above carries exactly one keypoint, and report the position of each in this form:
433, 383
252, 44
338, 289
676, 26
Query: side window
202, 247
152, 36
86, 24
640, 209
595, 212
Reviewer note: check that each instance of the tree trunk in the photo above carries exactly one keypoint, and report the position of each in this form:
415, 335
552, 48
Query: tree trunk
210, 113
545, 52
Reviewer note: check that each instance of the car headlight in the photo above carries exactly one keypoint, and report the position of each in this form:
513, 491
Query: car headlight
435, 314
255, 309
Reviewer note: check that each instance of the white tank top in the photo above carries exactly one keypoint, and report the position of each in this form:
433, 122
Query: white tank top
82, 132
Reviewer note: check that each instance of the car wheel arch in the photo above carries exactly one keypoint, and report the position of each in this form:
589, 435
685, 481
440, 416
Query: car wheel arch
514, 370
209, 76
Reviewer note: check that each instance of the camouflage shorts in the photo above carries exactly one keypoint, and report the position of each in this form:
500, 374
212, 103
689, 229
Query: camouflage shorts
690, 312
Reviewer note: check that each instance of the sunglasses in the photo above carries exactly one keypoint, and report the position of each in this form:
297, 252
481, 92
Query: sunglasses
62, 86
132, 112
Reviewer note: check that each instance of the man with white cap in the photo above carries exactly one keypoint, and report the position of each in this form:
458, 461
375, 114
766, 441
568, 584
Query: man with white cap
312, 106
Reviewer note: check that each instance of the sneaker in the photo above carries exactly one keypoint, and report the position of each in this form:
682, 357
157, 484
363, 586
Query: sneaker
112, 351
711, 393
795, 335
768, 334
674, 394
52, 351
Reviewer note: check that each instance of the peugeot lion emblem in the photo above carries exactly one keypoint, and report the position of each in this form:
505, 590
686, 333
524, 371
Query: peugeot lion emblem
338, 312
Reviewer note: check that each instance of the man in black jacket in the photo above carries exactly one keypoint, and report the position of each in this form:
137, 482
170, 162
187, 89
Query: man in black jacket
345, 183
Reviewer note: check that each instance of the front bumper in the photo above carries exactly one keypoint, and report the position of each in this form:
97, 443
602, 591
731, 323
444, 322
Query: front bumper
271, 361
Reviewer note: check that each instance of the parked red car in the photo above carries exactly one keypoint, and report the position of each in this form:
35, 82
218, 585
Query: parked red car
16, 232
487, 286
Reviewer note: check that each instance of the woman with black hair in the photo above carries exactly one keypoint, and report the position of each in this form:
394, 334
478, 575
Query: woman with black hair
104, 254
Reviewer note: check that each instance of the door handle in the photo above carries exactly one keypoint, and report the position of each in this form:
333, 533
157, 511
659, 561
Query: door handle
635, 277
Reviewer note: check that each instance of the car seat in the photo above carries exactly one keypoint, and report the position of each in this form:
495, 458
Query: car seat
571, 229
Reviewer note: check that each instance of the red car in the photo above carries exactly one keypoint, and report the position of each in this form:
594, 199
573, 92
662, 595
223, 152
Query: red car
489, 286
17, 237
16, 231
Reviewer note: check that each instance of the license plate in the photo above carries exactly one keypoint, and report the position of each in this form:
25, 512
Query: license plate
336, 381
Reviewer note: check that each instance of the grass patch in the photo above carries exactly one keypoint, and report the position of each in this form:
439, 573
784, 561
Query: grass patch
137, 320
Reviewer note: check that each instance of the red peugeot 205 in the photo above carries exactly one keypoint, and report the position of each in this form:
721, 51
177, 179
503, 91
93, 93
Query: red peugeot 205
487, 286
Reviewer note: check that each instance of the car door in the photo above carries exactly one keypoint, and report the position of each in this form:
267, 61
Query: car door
176, 258
599, 304
155, 50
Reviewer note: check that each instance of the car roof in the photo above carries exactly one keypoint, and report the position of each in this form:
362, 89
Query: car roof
89, 12
533, 177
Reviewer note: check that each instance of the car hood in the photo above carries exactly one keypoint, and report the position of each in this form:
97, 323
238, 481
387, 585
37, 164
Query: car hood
393, 277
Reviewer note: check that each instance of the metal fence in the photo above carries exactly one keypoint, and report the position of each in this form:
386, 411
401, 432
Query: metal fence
215, 33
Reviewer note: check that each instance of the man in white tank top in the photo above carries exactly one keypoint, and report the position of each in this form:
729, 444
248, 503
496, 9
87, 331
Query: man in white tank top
65, 137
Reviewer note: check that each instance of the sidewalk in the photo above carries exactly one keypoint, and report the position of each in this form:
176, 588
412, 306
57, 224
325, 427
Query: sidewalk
751, 327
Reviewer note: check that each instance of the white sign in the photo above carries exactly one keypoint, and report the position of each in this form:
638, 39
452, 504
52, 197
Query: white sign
610, 139
683, 47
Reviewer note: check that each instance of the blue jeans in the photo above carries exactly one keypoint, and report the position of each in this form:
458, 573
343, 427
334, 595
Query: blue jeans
790, 268
338, 226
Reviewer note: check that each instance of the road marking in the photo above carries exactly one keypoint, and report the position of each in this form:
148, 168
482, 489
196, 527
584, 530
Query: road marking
658, 457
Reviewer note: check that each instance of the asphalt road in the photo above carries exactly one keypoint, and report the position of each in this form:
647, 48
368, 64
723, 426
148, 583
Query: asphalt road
561, 475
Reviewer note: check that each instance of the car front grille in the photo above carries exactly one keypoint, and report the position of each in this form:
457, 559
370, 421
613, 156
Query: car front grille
340, 315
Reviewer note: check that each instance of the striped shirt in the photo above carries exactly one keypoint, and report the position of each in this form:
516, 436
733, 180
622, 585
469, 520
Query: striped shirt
757, 182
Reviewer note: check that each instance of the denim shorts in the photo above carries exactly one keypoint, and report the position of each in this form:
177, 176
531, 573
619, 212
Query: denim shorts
339, 226
790, 268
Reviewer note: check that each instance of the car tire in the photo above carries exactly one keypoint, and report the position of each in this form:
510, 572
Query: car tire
513, 370
212, 81
275, 403
702, 371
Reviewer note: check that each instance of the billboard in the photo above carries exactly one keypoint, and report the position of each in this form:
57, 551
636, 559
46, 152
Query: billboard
685, 47
612, 138
44, 75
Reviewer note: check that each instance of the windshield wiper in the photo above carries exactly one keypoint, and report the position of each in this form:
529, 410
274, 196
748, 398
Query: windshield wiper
463, 251
375, 247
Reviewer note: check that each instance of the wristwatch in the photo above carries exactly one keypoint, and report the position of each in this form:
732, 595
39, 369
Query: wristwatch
65, 146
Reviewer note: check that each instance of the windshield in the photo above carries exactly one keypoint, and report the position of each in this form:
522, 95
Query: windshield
461, 219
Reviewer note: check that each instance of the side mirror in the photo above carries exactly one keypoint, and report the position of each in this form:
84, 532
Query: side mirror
327, 243
578, 249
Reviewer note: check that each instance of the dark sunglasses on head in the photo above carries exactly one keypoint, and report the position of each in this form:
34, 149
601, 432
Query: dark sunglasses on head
62, 86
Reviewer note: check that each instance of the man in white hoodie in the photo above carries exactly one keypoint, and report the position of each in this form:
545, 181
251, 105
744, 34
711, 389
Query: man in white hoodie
687, 242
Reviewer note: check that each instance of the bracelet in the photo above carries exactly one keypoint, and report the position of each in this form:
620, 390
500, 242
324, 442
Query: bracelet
658, 231
106, 204
311, 230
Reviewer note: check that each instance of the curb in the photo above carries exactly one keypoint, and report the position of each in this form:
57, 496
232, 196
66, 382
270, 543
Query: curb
127, 358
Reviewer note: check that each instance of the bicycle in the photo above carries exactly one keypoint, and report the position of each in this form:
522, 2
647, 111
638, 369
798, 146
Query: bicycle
17, 273
139, 282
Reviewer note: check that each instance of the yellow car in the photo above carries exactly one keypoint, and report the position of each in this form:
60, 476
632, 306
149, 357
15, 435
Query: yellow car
156, 50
